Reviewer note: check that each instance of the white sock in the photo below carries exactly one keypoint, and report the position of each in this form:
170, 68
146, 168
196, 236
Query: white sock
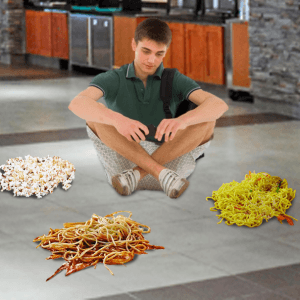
137, 174
162, 174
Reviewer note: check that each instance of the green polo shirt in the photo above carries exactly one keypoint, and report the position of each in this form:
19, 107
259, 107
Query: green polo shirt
126, 94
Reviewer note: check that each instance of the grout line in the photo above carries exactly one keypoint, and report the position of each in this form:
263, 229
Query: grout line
132, 296
277, 241
209, 265
241, 278
257, 284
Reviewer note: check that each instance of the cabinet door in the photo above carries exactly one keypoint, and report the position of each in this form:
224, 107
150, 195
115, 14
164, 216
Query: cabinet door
31, 32
205, 53
214, 71
124, 28
139, 20
60, 35
43, 28
195, 45
175, 57
240, 55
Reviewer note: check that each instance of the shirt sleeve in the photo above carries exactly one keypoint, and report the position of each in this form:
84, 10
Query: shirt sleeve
184, 86
108, 82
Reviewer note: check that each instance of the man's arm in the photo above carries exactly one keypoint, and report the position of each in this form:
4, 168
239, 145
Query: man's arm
210, 108
86, 107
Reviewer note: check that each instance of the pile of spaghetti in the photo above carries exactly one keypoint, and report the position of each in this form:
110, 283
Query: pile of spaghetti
111, 240
258, 197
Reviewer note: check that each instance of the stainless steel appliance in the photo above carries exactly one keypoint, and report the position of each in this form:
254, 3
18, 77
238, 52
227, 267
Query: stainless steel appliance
224, 8
91, 41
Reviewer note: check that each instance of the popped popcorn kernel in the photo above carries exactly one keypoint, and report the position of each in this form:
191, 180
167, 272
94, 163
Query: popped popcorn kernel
35, 175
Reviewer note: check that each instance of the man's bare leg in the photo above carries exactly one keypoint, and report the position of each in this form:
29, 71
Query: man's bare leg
184, 141
130, 150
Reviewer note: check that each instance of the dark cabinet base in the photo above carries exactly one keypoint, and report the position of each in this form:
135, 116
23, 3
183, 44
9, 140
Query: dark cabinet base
46, 62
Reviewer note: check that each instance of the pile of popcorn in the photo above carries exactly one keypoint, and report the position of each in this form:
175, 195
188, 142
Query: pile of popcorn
36, 175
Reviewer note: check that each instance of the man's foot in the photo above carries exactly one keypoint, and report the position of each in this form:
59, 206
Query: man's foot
126, 182
172, 184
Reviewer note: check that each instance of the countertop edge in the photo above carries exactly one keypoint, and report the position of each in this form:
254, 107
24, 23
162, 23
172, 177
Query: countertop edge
166, 18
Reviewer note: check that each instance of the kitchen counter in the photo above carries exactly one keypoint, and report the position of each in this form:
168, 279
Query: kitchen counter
44, 7
161, 14
204, 20
68, 8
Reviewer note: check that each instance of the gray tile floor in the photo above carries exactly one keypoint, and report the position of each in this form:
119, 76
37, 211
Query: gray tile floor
201, 260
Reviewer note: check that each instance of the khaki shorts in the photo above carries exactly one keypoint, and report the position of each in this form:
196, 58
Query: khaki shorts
115, 163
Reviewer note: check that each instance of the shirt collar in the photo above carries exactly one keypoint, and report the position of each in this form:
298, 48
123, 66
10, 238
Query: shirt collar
131, 73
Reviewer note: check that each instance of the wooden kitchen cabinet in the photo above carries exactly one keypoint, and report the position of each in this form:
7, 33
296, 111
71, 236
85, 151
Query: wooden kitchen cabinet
215, 69
196, 50
124, 28
31, 32
60, 35
204, 58
240, 55
47, 34
44, 33
38, 32
175, 57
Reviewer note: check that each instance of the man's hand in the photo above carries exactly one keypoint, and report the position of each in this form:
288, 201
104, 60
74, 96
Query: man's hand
168, 126
131, 129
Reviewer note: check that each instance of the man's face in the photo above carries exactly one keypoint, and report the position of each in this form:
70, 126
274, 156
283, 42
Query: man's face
148, 55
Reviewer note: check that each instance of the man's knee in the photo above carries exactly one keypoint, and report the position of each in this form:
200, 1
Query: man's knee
210, 125
207, 129
204, 127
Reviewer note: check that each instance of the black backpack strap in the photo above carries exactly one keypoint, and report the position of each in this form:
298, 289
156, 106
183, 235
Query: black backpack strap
166, 90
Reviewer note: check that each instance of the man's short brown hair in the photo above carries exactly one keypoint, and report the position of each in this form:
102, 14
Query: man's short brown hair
153, 29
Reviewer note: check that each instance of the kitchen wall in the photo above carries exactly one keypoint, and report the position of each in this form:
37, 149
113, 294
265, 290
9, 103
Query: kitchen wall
274, 32
12, 32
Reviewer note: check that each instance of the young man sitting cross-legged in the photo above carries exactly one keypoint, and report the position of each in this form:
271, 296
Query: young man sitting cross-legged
132, 95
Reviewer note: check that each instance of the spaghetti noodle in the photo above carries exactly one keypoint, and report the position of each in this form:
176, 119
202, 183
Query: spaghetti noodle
258, 197
110, 240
